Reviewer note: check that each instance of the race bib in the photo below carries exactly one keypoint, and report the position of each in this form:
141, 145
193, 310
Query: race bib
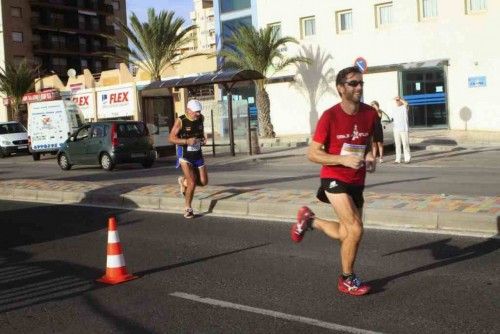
194, 148
351, 149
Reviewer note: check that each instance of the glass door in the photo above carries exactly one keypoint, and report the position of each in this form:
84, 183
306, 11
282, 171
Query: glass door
425, 91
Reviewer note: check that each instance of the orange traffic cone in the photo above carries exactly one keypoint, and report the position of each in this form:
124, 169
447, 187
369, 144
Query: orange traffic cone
116, 272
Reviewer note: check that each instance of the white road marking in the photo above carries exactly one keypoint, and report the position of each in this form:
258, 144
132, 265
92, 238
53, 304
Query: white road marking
275, 314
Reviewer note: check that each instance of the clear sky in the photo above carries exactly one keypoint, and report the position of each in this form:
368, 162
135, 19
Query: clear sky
180, 7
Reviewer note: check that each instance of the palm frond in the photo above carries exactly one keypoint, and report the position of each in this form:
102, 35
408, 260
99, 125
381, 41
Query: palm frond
153, 45
259, 50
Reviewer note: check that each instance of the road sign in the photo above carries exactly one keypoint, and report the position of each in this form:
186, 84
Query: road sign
361, 63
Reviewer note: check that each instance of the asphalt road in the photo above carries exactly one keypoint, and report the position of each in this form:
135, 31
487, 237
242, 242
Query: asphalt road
472, 171
217, 275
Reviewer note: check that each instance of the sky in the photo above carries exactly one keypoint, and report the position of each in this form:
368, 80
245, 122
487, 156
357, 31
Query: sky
180, 7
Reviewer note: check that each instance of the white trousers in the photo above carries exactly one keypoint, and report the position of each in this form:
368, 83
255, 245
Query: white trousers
401, 138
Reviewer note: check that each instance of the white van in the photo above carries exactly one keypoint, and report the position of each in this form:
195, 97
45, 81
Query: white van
13, 138
50, 123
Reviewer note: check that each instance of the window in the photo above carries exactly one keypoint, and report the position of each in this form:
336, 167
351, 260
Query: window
228, 27
428, 9
17, 36
276, 27
16, 12
474, 6
231, 5
116, 5
344, 21
383, 12
308, 26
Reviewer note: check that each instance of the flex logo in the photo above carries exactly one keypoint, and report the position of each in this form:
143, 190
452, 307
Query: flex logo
81, 100
114, 98
118, 97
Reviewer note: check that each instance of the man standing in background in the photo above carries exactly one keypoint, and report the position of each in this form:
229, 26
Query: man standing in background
401, 137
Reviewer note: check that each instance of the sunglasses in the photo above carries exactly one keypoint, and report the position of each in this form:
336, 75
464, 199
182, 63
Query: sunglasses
354, 83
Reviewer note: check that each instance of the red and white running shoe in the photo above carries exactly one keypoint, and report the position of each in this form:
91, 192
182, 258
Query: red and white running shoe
305, 218
353, 286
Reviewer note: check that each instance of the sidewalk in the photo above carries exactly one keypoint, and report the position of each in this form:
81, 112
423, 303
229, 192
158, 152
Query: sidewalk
447, 213
463, 214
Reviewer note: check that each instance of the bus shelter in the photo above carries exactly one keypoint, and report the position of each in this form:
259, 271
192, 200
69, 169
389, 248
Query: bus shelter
226, 78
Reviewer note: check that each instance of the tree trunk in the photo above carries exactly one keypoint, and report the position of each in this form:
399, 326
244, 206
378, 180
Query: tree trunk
266, 129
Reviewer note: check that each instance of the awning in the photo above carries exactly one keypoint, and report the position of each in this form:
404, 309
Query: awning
219, 77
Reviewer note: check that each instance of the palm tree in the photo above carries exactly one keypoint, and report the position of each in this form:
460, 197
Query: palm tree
155, 44
261, 51
15, 82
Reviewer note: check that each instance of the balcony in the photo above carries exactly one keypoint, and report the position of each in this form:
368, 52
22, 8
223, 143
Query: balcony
70, 49
75, 5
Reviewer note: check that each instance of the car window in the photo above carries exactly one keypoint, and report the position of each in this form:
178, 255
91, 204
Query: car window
98, 131
385, 117
12, 128
82, 133
132, 130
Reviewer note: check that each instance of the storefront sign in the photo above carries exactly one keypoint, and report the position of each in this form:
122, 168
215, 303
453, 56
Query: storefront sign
36, 97
86, 104
115, 103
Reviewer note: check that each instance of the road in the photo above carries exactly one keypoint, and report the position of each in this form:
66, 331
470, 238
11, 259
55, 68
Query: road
221, 275
472, 171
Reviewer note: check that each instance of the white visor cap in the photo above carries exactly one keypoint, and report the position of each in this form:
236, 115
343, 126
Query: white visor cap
194, 105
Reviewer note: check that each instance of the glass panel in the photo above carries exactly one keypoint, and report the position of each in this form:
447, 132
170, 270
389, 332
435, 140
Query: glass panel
345, 21
230, 5
429, 8
309, 27
276, 28
477, 5
385, 14
229, 26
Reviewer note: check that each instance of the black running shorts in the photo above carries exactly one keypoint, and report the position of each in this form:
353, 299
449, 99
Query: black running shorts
334, 186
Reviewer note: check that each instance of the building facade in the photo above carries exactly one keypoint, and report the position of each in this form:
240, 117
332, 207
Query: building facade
436, 53
203, 17
60, 34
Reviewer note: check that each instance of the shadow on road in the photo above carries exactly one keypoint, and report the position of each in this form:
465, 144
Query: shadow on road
201, 259
445, 253
269, 181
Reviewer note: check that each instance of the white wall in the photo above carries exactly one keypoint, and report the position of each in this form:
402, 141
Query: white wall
468, 42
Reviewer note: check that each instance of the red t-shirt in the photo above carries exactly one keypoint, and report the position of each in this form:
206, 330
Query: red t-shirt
349, 134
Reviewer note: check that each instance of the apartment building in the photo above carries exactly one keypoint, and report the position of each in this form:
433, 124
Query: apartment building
439, 54
59, 34
203, 17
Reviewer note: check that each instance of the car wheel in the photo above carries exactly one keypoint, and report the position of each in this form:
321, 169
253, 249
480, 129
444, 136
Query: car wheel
64, 162
2, 154
148, 163
36, 156
106, 162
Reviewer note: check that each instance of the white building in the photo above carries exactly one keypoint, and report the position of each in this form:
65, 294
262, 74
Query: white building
203, 17
442, 55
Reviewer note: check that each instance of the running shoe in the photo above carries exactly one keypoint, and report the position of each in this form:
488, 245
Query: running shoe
188, 213
352, 286
182, 188
305, 217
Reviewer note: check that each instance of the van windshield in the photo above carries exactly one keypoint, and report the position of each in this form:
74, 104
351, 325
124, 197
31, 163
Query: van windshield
132, 130
11, 128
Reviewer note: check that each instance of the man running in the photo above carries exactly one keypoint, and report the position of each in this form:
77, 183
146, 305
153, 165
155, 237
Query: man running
188, 134
342, 145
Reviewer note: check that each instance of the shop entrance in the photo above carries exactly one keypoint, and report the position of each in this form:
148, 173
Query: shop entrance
425, 91
158, 114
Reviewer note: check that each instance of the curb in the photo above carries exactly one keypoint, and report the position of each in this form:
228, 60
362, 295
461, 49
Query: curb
268, 208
